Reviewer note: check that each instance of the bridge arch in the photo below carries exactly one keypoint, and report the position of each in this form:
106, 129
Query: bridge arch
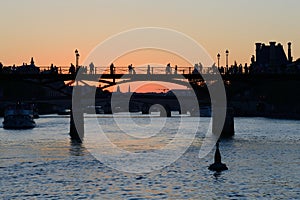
173, 81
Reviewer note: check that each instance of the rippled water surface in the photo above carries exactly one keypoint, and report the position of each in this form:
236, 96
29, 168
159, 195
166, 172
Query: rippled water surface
263, 160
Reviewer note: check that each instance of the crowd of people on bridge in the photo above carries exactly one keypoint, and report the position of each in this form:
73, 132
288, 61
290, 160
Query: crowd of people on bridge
197, 69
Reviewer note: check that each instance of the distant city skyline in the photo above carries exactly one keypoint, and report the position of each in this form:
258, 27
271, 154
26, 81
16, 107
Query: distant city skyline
50, 31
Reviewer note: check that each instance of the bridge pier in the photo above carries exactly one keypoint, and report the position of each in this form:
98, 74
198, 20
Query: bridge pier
165, 112
77, 115
145, 110
227, 130
228, 127
77, 132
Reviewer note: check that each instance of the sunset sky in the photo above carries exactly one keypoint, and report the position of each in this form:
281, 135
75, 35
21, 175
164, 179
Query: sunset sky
50, 31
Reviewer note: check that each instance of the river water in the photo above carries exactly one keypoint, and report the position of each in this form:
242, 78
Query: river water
263, 160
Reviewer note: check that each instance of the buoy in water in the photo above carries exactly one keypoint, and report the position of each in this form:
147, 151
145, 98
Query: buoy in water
217, 166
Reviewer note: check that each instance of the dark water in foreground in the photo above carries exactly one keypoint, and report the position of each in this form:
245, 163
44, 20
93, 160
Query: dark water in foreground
263, 161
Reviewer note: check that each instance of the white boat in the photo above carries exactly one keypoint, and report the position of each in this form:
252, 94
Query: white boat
19, 116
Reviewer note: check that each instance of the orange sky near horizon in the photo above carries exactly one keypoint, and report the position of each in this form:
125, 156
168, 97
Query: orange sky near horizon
157, 87
149, 87
50, 31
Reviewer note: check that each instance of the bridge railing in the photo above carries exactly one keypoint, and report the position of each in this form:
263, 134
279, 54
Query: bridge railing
121, 70
99, 70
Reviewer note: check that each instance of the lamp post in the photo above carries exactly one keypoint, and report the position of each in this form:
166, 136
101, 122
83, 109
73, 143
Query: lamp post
218, 56
227, 53
77, 57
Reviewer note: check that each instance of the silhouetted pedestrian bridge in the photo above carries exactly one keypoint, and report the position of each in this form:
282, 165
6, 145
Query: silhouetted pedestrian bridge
182, 76
187, 76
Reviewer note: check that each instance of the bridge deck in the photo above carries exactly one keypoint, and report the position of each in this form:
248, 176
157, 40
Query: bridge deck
151, 77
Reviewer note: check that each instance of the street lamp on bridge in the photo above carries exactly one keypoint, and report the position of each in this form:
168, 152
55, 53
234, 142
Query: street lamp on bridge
77, 57
227, 53
218, 56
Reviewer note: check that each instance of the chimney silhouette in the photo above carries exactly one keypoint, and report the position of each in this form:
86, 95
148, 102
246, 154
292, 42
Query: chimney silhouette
290, 58
272, 57
32, 62
258, 48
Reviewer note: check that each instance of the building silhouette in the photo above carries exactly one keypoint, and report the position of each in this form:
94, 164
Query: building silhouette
271, 57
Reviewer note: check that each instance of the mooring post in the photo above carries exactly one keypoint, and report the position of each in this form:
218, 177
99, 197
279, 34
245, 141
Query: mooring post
217, 166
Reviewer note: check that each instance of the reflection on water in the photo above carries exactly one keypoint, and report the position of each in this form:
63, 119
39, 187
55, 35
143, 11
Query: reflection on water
263, 161
76, 148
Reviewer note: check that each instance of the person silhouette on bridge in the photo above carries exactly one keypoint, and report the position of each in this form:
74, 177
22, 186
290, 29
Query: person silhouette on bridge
168, 69
148, 70
246, 69
196, 69
175, 71
72, 69
79, 69
112, 69
130, 69
200, 67
214, 69
92, 67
